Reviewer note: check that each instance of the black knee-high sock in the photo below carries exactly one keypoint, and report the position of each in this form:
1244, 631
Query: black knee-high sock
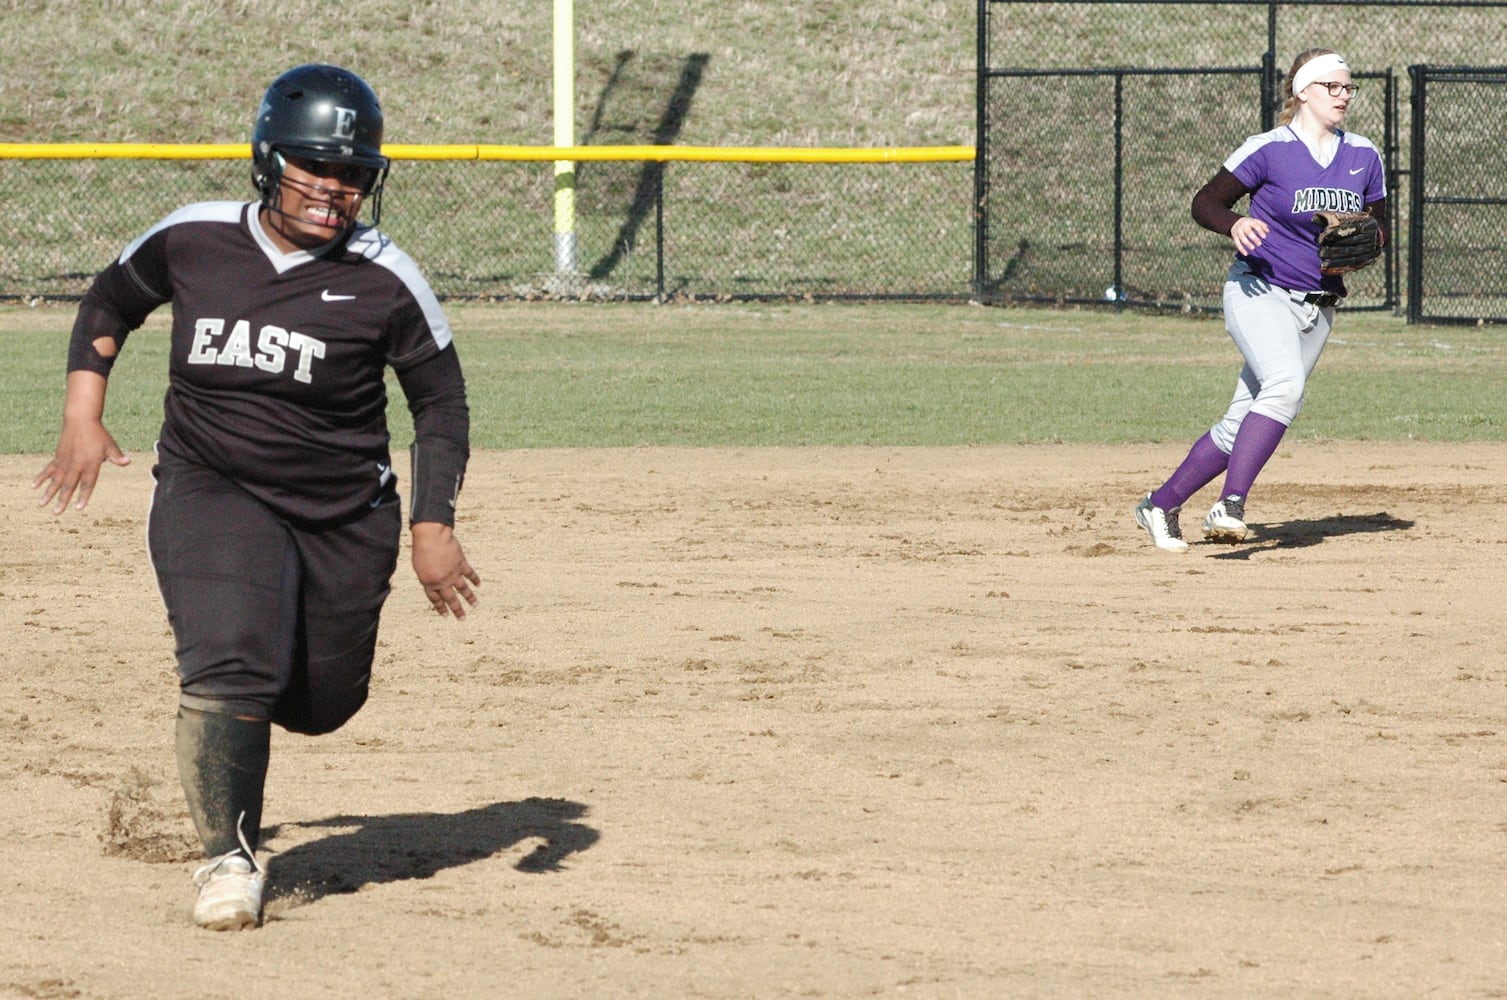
222, 762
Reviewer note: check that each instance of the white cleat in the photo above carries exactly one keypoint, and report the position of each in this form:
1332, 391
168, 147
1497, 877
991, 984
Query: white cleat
1226, 521
1161, 525
230, 893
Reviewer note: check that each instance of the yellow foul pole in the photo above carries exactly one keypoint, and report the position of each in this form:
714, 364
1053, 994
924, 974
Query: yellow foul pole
565, 137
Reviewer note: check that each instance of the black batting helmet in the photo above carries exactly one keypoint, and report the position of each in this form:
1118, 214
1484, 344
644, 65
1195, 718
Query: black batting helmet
318, 112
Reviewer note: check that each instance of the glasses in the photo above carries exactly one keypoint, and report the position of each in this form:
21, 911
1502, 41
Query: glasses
1336, 89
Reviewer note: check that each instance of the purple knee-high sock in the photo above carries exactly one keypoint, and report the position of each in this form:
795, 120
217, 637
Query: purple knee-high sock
1204, 462
1255, 443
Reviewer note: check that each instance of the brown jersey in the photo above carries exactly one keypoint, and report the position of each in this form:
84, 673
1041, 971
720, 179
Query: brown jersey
278, 359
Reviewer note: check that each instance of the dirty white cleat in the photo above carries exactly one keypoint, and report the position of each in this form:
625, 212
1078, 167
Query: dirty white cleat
1226, 521
230, 893
230, 888
1161, 525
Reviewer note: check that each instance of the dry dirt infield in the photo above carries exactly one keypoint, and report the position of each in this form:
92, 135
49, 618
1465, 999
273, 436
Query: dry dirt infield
814, 723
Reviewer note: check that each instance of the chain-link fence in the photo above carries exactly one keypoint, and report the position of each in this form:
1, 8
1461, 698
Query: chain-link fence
1091, 148
485, 229
1458, 239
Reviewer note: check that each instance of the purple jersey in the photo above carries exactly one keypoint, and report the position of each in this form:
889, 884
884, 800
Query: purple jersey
1288, 185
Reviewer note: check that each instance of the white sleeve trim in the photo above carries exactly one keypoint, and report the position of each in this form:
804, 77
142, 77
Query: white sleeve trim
374, 245
1253, 144
204, 211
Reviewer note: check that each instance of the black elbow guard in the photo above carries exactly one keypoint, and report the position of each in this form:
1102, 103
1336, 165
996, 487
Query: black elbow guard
92, 326
438, 469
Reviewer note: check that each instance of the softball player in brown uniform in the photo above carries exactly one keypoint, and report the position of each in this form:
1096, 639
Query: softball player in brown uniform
1278, 302
275, 519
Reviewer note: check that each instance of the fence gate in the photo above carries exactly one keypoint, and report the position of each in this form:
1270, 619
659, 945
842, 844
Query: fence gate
1457, 243
1087, 178
1090, 144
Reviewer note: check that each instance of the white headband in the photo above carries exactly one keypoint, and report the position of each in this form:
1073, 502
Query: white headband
1315, 68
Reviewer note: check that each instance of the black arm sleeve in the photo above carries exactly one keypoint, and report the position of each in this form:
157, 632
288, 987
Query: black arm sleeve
1379, 210
1213, 205
436, 394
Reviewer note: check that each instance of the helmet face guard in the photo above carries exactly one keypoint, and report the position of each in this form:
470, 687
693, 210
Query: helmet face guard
323, 114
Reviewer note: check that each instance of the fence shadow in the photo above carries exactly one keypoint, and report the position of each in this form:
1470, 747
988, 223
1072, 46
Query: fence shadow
1298, 534
650, 174
383, 849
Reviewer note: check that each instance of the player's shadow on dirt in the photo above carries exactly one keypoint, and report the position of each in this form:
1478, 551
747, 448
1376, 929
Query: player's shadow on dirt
1301, 534
418, 845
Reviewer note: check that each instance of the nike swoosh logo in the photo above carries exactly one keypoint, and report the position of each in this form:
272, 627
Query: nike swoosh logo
330, 296
1356, 171
384, 474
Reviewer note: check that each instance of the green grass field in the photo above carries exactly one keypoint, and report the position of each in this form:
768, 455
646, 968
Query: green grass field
604, 375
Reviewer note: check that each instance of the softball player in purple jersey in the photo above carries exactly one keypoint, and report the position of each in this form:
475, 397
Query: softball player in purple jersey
1278, 305
275, 519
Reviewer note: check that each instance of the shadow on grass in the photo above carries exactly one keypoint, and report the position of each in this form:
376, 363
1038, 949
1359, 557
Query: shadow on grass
1301, 534
383, 849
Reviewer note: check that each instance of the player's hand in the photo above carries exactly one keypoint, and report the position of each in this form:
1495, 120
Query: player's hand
442, 569
1248, 234
84, 446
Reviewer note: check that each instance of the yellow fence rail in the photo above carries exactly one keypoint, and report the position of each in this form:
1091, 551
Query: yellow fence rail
399, 151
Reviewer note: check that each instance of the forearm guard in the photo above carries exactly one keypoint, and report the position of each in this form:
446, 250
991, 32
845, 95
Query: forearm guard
438, 469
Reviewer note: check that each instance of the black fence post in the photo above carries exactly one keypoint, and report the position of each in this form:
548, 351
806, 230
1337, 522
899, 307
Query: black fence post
659, 236
1119, 287
1269, 81
981, 157
1394, 222
1269, 86
1415, 196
